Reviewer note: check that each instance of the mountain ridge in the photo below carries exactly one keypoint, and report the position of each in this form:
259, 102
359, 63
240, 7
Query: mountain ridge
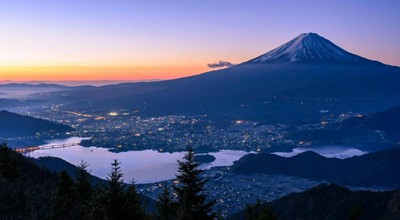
330, 201
372, 169
16, 125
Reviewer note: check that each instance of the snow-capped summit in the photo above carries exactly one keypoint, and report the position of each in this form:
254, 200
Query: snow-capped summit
308, 47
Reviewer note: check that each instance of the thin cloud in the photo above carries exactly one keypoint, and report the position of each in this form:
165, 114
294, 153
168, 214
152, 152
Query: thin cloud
219, 64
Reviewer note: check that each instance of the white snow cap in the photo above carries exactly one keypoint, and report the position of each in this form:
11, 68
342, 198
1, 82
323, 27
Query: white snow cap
307, 47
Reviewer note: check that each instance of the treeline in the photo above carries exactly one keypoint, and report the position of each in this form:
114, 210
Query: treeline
25, 189
30, 192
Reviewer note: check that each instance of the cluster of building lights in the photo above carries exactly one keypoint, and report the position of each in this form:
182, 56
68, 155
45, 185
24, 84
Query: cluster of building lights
113, 114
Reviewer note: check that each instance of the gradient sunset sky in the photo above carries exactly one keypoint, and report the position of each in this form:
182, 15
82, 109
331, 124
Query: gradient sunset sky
136, 40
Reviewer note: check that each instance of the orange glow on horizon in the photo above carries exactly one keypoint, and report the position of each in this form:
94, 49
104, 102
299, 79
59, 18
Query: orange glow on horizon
88, 73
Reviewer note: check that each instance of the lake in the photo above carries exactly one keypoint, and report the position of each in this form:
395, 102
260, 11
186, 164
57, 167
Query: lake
145, 166
333, 151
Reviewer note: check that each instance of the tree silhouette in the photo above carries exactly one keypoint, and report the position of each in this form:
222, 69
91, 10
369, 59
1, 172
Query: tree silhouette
9, 167
259, 211
165, 205
116, 200
83, 181
190, 197
355, 213
132, 205
113, 193
84, 190
65, 198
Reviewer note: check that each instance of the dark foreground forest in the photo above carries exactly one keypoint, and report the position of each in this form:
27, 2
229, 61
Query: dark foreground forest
30, 192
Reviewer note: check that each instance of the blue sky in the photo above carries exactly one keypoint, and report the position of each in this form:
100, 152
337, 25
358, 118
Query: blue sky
167, 39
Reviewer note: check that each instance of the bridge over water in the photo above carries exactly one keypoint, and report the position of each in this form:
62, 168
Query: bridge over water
45, 147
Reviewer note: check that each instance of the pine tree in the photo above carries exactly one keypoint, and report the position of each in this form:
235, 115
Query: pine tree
355, 213
84, 190
117, 201
65, 206
259, 211
83, 181
191, 201
165, 209
133, 207
15, 197
9, 166
113, 195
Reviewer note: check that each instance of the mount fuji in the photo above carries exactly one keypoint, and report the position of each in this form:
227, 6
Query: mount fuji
289, 84
311, 48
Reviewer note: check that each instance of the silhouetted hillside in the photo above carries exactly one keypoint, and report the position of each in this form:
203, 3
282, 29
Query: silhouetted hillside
57, 165
30, 191
387, 121
25, 189
328, 201
21, 126
373, 169
50, 86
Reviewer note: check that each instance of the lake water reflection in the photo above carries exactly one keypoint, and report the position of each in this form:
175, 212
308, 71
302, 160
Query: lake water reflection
340, 152
144, 166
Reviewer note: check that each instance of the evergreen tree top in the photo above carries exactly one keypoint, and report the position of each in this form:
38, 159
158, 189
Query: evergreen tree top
190, 197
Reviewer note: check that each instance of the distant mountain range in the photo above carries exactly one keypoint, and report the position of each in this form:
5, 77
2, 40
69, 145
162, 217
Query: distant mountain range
291, 83
74, 83
373, 169
15, 125
15, 95
328, 201
29, 85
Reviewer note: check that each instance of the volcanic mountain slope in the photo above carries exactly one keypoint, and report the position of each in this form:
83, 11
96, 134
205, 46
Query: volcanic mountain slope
289, 84
309, 47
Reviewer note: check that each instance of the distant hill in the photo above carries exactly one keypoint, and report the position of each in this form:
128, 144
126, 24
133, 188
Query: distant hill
32, 86
373, 169
13, 103
57, 165
9, 102
15, 125
40, 87
22, 90
387, 121
328, 201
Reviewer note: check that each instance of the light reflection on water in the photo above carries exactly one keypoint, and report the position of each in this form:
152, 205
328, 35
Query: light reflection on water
340, 152
143, 166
